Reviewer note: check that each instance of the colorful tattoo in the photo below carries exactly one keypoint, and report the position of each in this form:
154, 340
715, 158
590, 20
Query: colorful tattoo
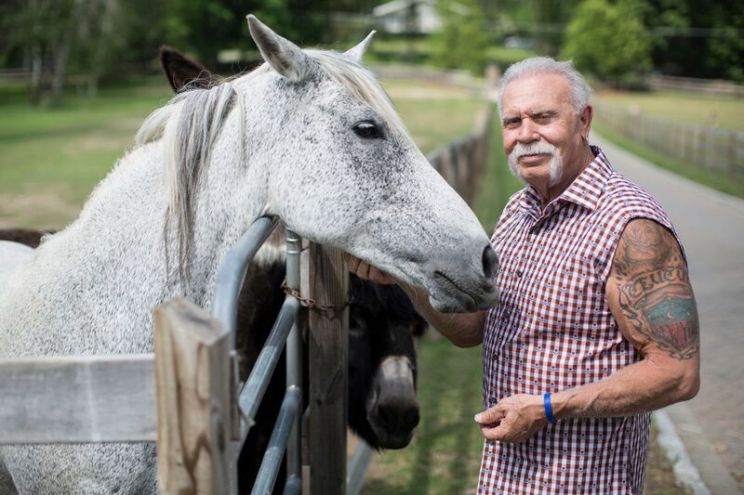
654, 289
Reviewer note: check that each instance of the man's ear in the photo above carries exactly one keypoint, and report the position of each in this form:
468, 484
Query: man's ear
586, 121
181, 71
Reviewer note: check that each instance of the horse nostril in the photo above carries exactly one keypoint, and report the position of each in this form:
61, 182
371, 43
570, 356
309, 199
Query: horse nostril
412, 418
385, 416
490, 262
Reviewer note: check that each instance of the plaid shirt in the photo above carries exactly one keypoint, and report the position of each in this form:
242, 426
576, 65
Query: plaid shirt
553, 330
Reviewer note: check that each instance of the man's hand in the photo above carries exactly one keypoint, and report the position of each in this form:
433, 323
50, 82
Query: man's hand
514, 419
365, 271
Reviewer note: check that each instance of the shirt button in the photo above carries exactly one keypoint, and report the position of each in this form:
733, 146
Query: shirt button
519, 273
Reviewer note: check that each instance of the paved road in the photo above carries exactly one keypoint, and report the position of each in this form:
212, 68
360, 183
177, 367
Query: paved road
711, 226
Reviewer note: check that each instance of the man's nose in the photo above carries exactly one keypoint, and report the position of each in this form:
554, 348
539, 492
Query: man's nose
527, 132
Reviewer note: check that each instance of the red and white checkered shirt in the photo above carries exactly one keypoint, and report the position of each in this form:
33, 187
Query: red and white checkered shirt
553, 330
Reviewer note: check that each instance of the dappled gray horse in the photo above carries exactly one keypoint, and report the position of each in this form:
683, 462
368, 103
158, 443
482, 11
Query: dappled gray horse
311, 137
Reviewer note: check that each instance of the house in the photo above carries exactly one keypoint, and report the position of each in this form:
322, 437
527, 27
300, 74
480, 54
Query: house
408, 16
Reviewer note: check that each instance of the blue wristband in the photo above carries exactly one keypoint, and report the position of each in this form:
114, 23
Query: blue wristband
549, 408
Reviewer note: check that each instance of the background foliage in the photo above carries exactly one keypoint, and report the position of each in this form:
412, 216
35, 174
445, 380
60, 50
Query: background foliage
80, 43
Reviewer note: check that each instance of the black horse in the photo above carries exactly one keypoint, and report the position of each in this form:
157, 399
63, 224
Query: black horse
383, 409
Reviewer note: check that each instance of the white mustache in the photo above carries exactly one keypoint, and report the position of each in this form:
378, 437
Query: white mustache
536, 148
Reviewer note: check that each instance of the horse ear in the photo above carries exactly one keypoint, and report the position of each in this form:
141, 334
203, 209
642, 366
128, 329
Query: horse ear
281, 54
357, 52
181, 71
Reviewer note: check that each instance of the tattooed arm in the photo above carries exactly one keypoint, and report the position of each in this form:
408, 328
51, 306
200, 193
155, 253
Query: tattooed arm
650, 296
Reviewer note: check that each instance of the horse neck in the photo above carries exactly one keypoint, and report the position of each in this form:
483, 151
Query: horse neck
125, 221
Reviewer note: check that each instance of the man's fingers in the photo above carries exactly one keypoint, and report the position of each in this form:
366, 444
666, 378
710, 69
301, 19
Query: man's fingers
490, 416
352, 262
366, 271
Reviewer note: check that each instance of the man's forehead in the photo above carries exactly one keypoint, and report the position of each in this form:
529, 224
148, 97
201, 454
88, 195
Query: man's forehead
536, 92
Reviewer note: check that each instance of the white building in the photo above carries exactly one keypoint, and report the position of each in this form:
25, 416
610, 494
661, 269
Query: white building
408, 16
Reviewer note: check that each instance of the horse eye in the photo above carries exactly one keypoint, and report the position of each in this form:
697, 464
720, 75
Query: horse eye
367, 129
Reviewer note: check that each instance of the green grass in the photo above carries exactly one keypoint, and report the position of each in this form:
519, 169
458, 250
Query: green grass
57, 154
434, 123
692, 108
52, 157
497, 184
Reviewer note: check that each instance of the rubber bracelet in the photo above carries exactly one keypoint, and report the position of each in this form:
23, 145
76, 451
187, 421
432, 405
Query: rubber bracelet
549, 408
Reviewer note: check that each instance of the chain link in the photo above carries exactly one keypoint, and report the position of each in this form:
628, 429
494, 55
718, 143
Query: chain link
328, 311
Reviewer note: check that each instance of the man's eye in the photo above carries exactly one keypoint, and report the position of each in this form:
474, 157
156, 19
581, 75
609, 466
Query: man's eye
542, 118
512, 123
367, 129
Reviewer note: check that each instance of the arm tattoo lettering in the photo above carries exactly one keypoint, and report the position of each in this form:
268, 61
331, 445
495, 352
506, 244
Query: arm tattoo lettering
660, 306
654, 290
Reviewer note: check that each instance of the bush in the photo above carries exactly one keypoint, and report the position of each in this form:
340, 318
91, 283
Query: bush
607, 41
463, 41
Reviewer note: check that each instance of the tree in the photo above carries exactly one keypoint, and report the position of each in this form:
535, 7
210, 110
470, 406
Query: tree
608, 40
463, 40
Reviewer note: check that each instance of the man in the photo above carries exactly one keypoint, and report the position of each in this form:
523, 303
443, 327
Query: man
596, 324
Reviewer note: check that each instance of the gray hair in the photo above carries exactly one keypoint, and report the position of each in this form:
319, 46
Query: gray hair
580, 90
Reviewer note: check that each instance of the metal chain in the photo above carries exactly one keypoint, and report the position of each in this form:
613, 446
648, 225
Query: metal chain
328, 311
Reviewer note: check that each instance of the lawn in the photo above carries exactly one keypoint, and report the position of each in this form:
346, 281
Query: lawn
701, 110
52, 157
693, 108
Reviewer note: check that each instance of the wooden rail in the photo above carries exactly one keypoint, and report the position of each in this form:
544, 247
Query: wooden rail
710, 148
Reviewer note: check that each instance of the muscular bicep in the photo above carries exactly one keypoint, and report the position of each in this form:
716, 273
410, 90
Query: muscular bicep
649, 292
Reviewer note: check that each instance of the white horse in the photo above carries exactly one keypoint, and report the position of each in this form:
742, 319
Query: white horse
311, 137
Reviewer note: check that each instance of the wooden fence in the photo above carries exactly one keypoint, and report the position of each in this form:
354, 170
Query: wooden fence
706, 147
688, 84
463, 161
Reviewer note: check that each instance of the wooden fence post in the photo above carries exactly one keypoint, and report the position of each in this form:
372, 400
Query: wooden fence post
328, 343
192, 363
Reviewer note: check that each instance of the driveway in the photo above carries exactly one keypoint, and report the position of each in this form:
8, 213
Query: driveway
711, 226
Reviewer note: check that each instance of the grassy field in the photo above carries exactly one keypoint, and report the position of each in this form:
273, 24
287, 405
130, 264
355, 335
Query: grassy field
52, 157
701, 110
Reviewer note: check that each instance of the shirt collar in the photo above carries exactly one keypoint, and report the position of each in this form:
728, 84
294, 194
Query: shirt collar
584, 191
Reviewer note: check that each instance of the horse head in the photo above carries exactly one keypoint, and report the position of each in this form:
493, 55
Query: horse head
338, 167
383, 324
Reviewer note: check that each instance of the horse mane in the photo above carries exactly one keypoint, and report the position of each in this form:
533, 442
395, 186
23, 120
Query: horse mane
190, 123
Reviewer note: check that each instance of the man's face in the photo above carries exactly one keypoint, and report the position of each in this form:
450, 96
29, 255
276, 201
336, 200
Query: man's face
541, 131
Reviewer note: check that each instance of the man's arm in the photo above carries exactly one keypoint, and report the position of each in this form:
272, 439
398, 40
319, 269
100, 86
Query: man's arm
462, 329
651, 299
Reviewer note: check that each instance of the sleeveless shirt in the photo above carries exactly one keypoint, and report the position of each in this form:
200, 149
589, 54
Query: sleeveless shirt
553, 330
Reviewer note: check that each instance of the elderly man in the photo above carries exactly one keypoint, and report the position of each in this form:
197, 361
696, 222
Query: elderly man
596, 324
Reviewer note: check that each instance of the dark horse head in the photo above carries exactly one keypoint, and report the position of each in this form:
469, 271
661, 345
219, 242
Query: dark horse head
383, 408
